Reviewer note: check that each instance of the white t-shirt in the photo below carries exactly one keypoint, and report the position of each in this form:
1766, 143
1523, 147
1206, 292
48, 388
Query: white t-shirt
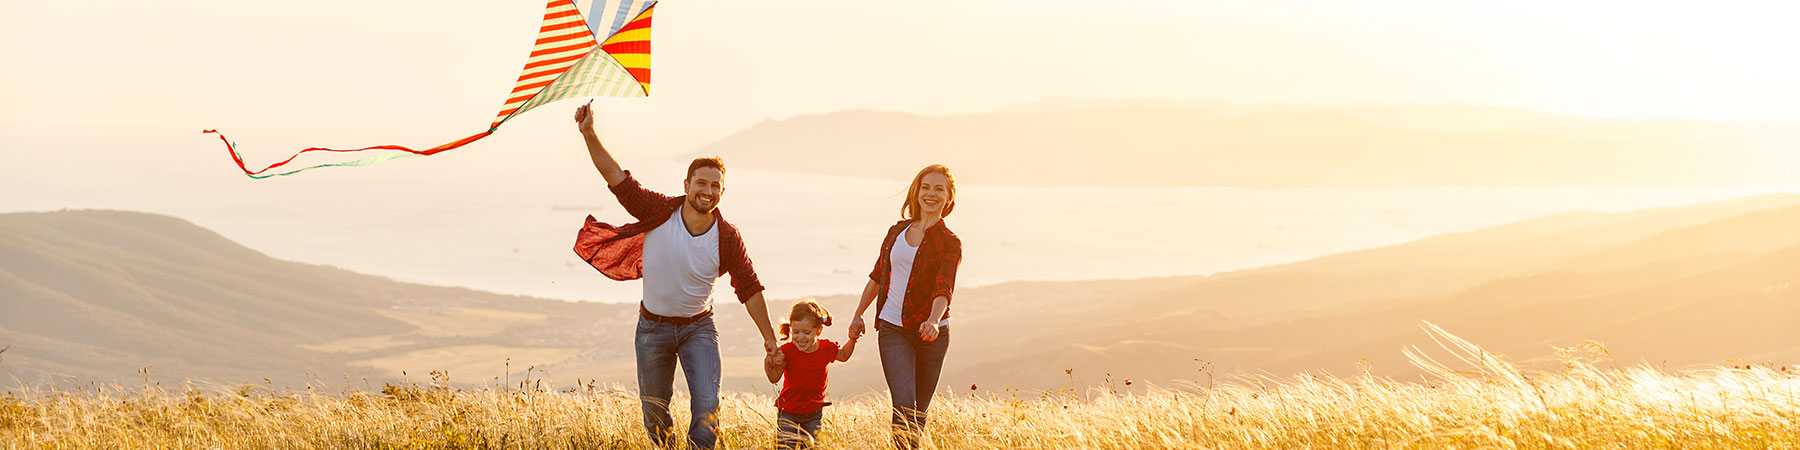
679, 268
900, 263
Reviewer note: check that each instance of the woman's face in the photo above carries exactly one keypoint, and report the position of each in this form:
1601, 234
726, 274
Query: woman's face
934, 192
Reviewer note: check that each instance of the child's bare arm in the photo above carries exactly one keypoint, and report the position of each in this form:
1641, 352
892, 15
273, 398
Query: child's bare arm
848, 348
773, 365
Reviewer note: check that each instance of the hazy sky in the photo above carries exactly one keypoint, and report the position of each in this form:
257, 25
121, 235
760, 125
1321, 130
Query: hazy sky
281, 75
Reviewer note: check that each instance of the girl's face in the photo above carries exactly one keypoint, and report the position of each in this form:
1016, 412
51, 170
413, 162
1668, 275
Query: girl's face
805, 333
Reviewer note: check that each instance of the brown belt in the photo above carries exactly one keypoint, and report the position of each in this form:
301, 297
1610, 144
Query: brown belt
672, 320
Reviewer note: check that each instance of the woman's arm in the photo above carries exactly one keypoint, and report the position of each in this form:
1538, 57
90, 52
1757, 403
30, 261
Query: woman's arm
857, 328
929, 330
944, 287
938, 305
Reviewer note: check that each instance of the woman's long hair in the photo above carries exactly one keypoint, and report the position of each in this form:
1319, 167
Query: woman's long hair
911, 209
805, 309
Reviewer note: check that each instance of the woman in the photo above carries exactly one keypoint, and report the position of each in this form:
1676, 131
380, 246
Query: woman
914, 276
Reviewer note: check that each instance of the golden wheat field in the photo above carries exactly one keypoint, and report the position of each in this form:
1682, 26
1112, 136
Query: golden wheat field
1477, 401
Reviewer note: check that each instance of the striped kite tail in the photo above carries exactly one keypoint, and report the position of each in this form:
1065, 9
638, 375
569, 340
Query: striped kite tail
264, 172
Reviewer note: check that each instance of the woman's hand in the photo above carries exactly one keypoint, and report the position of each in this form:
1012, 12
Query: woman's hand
928, 331
857, 328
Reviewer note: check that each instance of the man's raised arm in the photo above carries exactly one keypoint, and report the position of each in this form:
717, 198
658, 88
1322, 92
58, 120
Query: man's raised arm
603, 160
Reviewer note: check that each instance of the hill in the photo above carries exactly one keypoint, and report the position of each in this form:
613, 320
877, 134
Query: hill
100, 294
1700, 284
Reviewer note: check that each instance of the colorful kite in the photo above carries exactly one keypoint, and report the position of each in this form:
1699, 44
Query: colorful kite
566, 62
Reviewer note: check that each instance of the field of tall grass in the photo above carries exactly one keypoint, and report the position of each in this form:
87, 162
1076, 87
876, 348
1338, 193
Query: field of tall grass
1476, 401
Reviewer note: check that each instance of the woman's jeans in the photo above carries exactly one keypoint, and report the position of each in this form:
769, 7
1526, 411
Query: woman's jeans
912, 367
696, 345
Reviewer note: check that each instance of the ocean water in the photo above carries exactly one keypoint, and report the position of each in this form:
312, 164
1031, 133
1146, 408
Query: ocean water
817, 235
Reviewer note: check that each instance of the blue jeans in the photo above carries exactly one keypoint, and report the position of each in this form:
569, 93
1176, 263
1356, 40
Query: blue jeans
696, 346
797, 430
912, 367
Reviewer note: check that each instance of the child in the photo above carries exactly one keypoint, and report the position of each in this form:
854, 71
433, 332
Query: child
802, 362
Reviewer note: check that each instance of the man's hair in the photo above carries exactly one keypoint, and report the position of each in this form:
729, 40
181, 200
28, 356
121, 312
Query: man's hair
713, 162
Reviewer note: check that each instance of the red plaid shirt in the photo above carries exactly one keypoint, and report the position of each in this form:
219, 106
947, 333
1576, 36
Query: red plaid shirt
933, 272
618, 252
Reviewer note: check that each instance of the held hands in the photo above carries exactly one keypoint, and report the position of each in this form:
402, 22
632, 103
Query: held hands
770, 345
857, 328
773, 365
774, 359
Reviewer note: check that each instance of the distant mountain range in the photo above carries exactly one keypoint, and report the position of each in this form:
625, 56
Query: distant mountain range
1701, 284
1209, 143
94, 296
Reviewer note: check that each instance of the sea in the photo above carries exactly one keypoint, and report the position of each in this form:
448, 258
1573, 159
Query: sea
813, 235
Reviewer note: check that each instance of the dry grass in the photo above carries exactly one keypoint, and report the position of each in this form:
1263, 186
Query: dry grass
1486, 405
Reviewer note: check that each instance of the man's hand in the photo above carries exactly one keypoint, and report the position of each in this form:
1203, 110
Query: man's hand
770, 345
584, 118
774, 358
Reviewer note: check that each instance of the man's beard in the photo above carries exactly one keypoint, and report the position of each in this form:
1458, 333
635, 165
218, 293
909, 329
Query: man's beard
695, 203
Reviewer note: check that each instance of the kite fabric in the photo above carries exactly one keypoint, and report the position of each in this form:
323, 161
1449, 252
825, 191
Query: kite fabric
565, 62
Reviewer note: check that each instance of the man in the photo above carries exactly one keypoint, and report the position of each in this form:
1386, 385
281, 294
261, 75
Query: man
679, 247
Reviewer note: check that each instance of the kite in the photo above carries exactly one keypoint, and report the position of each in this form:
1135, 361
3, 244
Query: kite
565, 62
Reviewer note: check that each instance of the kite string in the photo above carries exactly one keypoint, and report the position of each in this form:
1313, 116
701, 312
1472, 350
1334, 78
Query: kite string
239, 159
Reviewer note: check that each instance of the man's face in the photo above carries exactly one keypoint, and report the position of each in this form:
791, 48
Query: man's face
704, 188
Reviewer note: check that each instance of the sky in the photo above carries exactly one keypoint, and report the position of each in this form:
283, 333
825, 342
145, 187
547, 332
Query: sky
105, 101
283, 75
